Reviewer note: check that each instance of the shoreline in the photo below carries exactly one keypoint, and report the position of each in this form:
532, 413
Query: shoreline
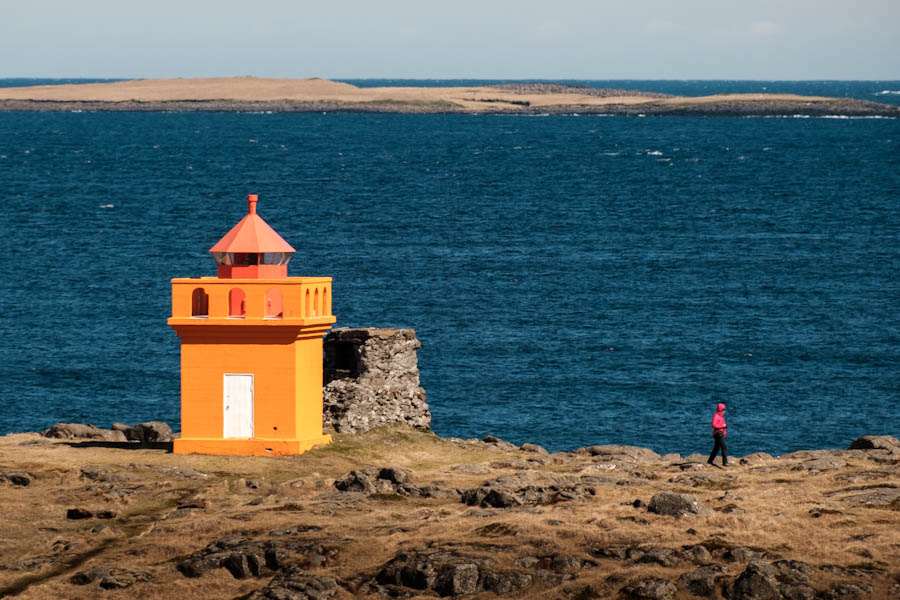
837, 108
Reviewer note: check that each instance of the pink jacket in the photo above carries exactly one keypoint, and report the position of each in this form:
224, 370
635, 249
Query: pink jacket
718, 420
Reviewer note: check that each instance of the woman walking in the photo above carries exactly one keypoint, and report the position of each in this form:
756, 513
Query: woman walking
720, 429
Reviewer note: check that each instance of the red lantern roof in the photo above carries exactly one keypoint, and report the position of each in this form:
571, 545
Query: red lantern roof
252, 234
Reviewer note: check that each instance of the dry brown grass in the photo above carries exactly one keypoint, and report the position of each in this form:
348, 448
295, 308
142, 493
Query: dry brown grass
789, 514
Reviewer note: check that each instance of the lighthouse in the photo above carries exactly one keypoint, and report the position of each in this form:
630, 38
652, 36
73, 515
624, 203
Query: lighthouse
251, 348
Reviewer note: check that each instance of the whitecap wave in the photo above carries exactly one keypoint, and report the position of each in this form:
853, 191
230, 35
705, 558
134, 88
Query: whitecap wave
888, 93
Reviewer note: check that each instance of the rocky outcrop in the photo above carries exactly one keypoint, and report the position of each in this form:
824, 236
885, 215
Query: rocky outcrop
145, 433
521, 490
372, 379
876, 442
80, 431
451, 573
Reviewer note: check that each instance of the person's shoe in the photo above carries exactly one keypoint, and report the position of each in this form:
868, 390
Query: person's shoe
709, 462
725, 464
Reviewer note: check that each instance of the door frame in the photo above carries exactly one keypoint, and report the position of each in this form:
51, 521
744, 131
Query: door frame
252, 404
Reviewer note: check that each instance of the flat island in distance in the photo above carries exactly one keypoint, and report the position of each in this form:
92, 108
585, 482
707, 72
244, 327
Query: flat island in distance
239, 94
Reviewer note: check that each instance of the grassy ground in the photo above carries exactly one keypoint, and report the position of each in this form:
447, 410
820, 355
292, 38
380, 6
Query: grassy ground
167, 507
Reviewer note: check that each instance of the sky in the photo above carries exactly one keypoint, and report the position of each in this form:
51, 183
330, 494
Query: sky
483, 39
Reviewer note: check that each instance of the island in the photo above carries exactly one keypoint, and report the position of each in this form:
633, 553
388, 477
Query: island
254, 94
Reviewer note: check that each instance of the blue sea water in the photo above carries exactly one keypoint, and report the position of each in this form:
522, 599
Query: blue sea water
573, 280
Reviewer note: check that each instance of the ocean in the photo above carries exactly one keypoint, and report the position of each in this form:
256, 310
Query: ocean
574, 280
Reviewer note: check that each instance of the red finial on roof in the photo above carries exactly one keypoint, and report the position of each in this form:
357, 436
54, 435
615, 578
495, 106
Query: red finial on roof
251, 203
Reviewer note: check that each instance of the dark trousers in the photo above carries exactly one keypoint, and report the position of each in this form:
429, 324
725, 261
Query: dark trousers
720, 443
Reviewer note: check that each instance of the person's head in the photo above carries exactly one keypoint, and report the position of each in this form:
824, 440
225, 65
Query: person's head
720, 407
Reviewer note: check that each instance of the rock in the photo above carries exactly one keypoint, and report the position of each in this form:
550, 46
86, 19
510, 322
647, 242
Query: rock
876, 442
661, 556
76, 431
756, 458
394, 474
498, 443
243, 564
740, 555
296, 584
475, 469
372, 379
677, 505
355, 481
622, 453
118, 579
882, 496
88, 576
78, 513
651, 588
455, 580
825, 463
244, 558
150, 432
526, 447
20, 479
504, 492
757, 582
792, 571
699, 554
103, 474
798, 592
110, 579
848, 590
701, 581
448, 572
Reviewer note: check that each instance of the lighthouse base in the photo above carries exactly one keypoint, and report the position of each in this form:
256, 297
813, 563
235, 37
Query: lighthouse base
247, 447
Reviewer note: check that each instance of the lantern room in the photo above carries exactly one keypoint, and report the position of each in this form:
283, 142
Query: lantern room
251, 348
252, 249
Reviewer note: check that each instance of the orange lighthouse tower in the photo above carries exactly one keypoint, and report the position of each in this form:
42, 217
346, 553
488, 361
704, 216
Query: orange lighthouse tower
251, 348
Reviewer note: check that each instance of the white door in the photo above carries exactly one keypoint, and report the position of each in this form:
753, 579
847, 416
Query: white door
237, 406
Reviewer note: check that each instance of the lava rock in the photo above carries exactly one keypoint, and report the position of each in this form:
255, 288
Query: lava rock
297, 584
78, 513
757, 582
677, 505
75, 431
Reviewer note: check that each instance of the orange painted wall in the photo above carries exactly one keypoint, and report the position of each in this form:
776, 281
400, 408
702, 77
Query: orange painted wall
283, 354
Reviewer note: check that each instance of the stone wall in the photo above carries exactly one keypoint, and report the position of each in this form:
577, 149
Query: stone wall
372, 379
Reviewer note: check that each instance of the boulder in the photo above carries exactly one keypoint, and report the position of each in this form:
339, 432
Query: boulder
21, 479
296, 584
80, 431
516, 490
651, 588
78, 513
150, 432
526, 447
876, 442
701, 581
677, 505
757, 582
372, 379
448, 572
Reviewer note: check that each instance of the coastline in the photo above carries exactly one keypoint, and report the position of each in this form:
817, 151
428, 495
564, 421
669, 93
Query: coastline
248, 94
399, 512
